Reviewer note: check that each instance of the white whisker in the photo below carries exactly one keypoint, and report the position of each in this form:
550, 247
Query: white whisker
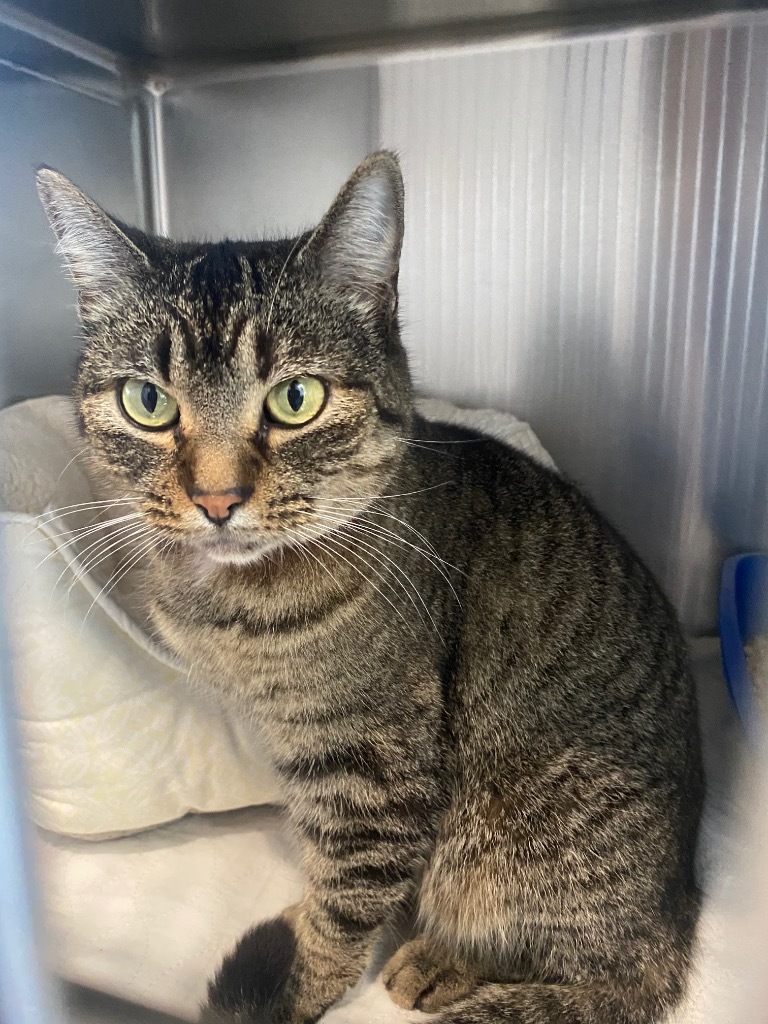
118, 575
302, 546
279, 281
362, 525
361, 518
68, 537
105, 547
59, 548
382, 559
84, 505
148, 549
79, 571
425, 447
46, 518
373, 510
376, 497
61, 474
424, 440
325, 543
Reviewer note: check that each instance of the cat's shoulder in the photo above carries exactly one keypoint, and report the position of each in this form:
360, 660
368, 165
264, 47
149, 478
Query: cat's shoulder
500, 479
481, 453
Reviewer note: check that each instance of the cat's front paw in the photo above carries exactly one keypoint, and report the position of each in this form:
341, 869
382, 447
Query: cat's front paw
417, 977
250, 986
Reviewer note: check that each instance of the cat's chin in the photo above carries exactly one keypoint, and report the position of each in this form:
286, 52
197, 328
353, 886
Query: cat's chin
235, 554
228, 550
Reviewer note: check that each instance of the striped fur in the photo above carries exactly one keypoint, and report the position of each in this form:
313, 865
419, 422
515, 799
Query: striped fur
475, 695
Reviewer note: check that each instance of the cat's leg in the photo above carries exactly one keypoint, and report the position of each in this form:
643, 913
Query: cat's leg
535, 890
422, 976
366, 822
287, 970
291, 969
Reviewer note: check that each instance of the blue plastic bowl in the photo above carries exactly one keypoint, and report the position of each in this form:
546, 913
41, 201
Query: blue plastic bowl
743, 616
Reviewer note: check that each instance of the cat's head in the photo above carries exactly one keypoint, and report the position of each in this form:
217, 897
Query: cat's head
249, 395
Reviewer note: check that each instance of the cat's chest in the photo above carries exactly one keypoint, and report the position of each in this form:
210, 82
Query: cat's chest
264, 642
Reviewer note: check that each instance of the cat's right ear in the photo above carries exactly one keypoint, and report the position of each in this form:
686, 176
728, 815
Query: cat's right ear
102, 260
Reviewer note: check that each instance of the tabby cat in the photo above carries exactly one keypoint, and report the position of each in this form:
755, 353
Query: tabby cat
475, 695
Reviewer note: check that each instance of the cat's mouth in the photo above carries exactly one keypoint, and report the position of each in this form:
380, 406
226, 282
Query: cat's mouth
229, 548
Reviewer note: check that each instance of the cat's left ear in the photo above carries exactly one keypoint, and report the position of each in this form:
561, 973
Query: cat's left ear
357, 244
103, 261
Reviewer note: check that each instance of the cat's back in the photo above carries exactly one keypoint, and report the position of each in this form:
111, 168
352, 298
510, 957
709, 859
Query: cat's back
559, 612
529, 529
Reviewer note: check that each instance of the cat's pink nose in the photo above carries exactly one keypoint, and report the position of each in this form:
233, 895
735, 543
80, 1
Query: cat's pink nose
218, 507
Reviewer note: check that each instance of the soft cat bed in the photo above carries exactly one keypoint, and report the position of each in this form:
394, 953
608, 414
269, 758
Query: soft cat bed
115, 739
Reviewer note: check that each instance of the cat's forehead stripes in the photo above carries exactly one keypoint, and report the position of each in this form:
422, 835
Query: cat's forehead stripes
264, 352
218, 293
183, 351
217, 314
163, 344
223, 277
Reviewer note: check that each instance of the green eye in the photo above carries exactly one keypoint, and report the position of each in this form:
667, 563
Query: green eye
148, 405
296, 401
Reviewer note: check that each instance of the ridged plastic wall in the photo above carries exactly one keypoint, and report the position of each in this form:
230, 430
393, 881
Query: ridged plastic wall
587, 246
